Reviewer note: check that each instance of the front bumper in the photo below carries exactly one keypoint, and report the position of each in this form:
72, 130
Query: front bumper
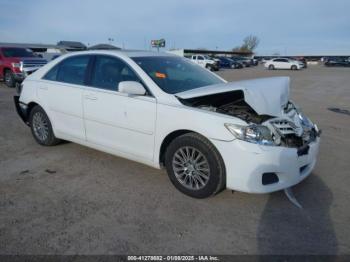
246, 163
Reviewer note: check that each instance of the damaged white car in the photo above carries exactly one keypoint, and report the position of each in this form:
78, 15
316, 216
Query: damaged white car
165, 111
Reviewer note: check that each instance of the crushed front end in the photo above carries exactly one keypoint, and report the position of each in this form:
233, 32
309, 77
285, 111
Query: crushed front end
275, 148
280, 156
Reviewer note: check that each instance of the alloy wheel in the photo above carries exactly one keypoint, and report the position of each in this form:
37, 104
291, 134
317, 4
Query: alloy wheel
191, 168
40, 126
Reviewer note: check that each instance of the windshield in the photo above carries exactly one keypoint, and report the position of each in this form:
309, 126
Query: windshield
176, 74
17, 52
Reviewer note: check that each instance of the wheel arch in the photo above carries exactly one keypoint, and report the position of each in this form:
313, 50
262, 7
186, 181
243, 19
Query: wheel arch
212, 148
26, 113
173, 135
168, 139
5, 69
30, 107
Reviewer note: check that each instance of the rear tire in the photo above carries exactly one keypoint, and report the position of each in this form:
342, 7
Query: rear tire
41, 127
271, 67
9, 78
194, 166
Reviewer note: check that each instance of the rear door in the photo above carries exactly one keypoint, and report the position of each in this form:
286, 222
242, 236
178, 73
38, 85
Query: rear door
285, 64
277, 63
62, 91
116, 120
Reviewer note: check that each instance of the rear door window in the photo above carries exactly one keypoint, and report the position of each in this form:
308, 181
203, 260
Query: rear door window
73, 70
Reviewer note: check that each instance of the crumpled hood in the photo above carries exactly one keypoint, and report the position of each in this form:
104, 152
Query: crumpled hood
267, 96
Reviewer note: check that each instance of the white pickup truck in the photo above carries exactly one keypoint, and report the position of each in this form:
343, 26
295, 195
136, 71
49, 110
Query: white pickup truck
206, 61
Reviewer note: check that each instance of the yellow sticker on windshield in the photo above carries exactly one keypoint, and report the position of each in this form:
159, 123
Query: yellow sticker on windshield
160, 75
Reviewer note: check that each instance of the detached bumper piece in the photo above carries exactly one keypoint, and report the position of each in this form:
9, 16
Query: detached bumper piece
21, 109
290, 195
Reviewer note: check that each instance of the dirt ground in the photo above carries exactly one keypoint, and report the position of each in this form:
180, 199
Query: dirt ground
70, 199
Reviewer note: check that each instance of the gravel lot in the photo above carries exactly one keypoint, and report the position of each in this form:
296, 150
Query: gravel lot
71, 199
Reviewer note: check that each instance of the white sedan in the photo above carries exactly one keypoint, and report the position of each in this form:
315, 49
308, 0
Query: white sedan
165, 111
283, 63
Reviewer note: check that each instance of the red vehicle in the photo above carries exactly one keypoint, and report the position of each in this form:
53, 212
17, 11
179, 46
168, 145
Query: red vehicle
16, 63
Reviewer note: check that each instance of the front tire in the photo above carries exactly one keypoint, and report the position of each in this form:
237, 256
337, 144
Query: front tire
194, 166
9, 78
210, 67
294, 67
41, 127
271, 67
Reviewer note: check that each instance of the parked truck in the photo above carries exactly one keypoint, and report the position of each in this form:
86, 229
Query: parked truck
16, 63
206, 61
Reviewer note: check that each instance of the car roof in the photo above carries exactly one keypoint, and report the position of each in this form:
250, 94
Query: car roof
129, 53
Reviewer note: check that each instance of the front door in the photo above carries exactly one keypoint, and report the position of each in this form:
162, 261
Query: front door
116, 120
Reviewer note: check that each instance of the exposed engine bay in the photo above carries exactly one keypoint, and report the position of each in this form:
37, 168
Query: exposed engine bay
292, 129
230, 103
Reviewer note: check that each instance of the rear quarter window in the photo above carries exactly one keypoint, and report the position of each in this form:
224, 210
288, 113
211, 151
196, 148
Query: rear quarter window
51, 74
71, 70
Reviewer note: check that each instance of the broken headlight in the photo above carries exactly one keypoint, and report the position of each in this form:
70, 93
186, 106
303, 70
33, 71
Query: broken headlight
256, 134
305, 121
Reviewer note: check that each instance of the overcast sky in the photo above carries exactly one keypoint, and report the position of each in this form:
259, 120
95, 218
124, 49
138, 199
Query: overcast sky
285, 26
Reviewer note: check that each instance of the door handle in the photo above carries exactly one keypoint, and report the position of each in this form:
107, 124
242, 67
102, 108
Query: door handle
90, 97
43, 87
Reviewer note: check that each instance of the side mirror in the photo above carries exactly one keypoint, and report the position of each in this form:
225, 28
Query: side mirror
131, 88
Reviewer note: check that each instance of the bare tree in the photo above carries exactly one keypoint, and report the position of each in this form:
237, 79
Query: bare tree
249, 44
